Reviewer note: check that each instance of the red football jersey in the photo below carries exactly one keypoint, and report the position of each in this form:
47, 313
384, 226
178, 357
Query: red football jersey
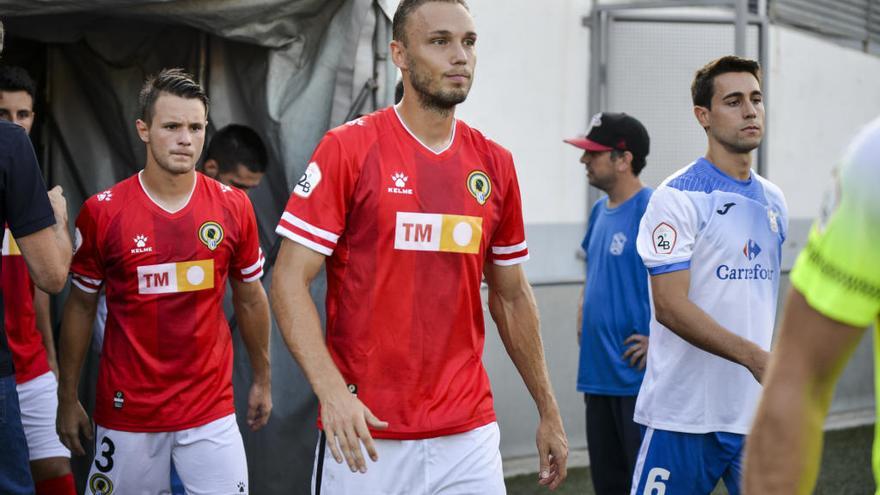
407, 231
25, 340
166, 363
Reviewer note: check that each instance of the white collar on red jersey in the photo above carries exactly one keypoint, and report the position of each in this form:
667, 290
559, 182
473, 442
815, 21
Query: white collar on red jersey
451, 141
185, 203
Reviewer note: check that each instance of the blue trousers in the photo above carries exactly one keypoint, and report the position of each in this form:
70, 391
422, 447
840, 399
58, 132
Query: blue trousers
15, 472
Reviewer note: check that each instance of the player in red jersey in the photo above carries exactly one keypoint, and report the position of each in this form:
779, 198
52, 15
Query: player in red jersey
410, 209
29, 327
162, 243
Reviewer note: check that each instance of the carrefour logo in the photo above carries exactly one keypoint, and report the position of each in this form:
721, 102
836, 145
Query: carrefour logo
750, 250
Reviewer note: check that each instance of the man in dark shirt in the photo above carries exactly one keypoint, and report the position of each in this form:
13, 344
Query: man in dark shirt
39, 222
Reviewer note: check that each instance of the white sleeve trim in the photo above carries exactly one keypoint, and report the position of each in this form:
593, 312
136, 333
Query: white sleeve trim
512, 261
311, 229
314, 246
82, 287
253, 278
87, 279
255, 266
509, 249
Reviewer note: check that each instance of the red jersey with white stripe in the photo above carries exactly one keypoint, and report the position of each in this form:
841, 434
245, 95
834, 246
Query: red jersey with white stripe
25, 340
166, 363
407, 231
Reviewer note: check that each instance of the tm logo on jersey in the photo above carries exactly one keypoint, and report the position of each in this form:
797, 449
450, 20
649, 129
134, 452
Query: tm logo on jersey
169, 278
436, 232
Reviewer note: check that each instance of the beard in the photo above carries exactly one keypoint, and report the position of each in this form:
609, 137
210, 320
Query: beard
440, 101
167, 164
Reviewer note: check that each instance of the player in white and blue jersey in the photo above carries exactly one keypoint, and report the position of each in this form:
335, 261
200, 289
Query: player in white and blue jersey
711, 239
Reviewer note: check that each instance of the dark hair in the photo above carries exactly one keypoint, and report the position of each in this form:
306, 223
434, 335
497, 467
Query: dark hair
398, 92
703, 86
176, 82
407, 7
638, 162
17, 79
1, 36
238, 144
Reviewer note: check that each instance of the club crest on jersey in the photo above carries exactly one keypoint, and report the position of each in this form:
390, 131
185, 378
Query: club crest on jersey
618, 242
309, 181
479, 186
140, 245
664, 238
772, 216
211, 234
399, 180
100, 484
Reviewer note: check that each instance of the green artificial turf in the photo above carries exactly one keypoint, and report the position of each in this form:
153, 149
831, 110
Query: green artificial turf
846, 469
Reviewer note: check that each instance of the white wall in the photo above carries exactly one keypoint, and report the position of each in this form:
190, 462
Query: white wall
530, 92
820, 93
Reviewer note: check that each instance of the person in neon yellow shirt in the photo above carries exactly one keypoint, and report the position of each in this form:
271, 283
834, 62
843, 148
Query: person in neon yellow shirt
835, 295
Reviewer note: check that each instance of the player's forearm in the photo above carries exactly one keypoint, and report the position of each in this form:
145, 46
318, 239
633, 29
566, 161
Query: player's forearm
63, 243
300, 327
516, 316
76, 333
688, 321
784, 445
44, 326
253, 319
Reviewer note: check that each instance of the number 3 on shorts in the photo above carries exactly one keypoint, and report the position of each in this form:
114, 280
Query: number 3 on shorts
654, 484
107, 454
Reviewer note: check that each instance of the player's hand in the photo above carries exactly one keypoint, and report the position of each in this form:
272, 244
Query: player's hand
346, 420
72, 421
59, 204
637, 352
259, 404
552, 451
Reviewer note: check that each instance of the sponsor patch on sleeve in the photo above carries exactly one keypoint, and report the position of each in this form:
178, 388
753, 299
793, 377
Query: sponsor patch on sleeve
664, 237
309, 181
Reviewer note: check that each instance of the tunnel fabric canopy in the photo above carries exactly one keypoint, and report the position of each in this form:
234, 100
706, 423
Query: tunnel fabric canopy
291, 69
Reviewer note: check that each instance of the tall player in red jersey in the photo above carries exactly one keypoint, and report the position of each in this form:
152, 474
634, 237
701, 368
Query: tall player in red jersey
29, 327
163, 243
410, 209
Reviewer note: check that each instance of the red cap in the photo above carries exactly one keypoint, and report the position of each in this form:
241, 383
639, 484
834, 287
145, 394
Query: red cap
586, 144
